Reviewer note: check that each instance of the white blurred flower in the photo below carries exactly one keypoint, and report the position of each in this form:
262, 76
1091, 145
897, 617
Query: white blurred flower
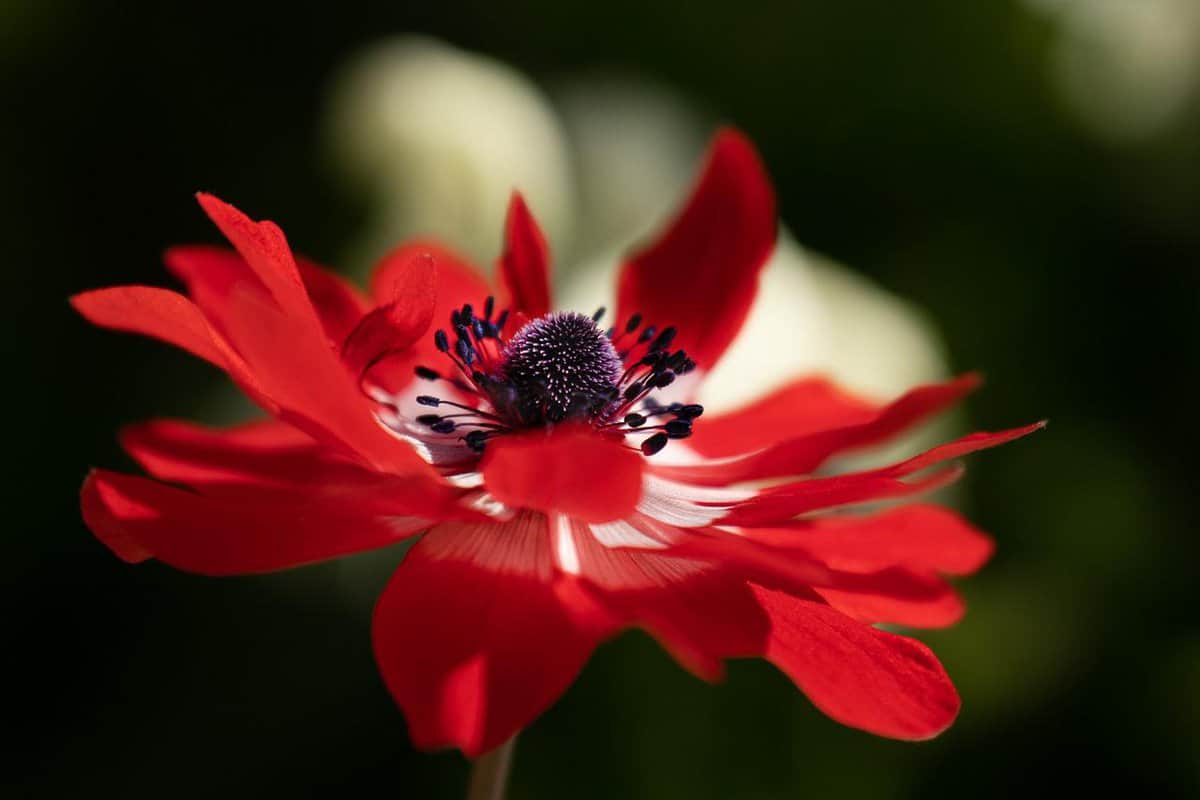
443, 136
1126, 68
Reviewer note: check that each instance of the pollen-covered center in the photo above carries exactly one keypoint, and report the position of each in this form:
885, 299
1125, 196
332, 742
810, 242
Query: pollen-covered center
556, 368
561, 366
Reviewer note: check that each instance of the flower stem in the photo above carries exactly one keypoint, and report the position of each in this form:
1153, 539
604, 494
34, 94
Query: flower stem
489, 773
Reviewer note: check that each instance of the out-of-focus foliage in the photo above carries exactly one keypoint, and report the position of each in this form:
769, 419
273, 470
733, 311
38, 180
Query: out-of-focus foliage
930, 145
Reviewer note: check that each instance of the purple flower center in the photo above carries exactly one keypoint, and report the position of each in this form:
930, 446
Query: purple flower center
557, 368
560, 366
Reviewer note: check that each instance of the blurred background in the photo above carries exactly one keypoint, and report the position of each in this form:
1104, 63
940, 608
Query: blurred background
1008, 186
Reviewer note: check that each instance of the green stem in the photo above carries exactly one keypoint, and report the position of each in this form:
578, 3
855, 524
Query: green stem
489, 773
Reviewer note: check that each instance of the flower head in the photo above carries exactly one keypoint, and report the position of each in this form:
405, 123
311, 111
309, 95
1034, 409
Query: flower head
566, 484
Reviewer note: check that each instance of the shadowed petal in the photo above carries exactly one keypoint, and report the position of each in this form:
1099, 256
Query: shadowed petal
780, 503
265, 249
266, 453
457, 283
525, 264
474, 638
920, 537
700, 613
397, 325
701, 274
172, 318
211, 273
804, 406
860, 676
797, 452
254, 531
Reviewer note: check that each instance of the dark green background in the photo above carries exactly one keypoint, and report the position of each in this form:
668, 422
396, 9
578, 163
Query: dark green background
918, 141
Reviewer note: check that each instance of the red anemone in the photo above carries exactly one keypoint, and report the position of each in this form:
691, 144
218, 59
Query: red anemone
554, 522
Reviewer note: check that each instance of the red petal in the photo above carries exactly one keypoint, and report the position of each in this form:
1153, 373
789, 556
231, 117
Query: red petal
919, 537
799, 408
457, 283
211, 273
572, 470
936, 609
267, 453
314, 389
472, 637
256, 531
699, 613
396, 326
862, 677
171, 317
791, 499
803, 452
525, 264
886, 594
338, 303
159, 313
775, 505
265, 250
701, 275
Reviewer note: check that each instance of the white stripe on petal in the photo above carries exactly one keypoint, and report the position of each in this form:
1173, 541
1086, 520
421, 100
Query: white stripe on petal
466, 480
485, 503
622, 534
695, 493
679, 503
564, 544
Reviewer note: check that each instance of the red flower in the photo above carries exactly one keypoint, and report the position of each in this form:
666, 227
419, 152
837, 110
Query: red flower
531, 461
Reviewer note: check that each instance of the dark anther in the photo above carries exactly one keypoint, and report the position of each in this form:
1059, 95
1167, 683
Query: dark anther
427, 400
652, 360
465, 351
455, 318
426, 373
679, 428
654, 443
428, 419
599, 313
441, 341
500, 320
635, 420
467, 314
647, 334
676, 360
687, 366
662, 379
475, 440
690, 411
477, 328
664, 339
444, 426
489, 306
633, 390
462, 332
633, 323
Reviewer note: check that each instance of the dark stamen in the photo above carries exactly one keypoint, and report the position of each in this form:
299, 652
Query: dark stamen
653, 444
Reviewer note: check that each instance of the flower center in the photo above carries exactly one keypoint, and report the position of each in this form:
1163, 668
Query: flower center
557, 368
560, 366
